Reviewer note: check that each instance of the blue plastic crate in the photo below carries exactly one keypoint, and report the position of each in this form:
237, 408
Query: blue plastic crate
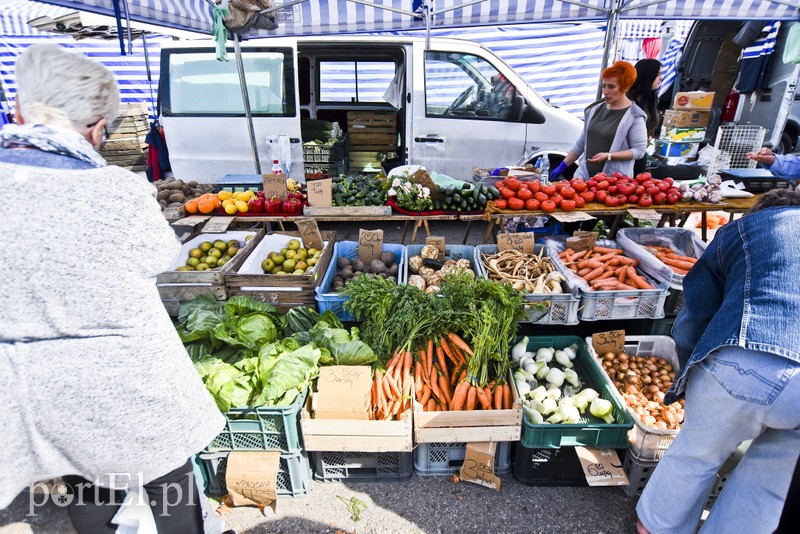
260, 429
293, 477
432, 459
451, 252
361, 466
326, 300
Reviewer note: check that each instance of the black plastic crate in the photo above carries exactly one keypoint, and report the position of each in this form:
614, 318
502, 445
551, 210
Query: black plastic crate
293, 475
547, 467
362, 466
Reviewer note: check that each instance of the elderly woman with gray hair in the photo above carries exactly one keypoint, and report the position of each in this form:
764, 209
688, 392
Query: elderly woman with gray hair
96, 385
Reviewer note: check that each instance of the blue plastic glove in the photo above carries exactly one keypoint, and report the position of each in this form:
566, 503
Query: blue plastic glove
558, 171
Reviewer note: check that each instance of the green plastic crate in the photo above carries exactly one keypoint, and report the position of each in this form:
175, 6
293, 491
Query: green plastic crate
260, 429
590, 432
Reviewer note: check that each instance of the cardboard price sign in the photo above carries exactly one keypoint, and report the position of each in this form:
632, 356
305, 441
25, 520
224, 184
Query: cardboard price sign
582, 241
275, 186
309, 233
217, 225
319, 193
611, 341
252, 477
478, 465
370, 245
522, 241
343, 392
438, 242
601, 467
571, 216
644, 214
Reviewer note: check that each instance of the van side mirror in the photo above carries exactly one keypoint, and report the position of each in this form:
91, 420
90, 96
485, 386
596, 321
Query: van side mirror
518, 108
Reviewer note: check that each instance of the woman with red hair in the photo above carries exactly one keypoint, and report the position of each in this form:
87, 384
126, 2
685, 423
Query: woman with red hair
614, 132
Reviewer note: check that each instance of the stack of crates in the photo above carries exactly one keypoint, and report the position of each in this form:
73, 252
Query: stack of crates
373, 138
329, 158
260, 429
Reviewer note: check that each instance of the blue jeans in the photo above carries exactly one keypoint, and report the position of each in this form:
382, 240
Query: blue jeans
733, 395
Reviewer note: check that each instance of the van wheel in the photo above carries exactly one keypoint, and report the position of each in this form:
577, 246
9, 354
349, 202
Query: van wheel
785, 145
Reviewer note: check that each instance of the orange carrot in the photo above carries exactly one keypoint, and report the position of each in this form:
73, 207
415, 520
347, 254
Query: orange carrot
418, 377
392, 361
434, 384
387, 390
444, 387
594, 274
498, 397
407, 359
679, 257
480, 394
459, 396
430, 406
457, 341
637, 280
685, 265
429, 358
606, 250
395, 391
508, 400
472, 395
425, 394
449, 352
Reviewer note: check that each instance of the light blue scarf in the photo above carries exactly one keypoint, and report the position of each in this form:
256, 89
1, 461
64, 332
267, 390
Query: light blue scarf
54, 139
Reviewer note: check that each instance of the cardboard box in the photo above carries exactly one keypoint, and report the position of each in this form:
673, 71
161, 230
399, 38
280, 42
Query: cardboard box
666, 149
675, 118
343, 392
683, 135
694, 100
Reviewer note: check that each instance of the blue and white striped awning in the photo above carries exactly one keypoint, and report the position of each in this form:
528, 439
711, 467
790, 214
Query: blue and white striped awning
314, 17
14, 18
763, 46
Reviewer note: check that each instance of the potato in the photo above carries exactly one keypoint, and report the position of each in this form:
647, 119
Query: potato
177, 197
163, 194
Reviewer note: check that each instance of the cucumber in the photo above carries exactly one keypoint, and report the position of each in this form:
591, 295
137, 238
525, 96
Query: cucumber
476, 191
448, 192
456, 198
493, 192
481, 200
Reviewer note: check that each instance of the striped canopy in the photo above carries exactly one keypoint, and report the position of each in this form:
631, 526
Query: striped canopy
314, 17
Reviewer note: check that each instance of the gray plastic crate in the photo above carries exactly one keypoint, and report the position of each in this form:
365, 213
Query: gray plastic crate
361, 466
293, 477
431, 459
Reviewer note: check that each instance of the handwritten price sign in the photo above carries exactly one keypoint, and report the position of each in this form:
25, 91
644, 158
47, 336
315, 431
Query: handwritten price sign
522, 241
309, 233
611, 341
370, 245
319, 193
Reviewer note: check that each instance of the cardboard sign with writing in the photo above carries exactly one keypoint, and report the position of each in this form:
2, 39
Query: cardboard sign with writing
522, 241
343, 392
370, 245
275, 186
438, 242
217, 225
319, 192
251, 477
571, 216
601, 467
645, 214
611, 341
309, 233
478, 465
582, 241
191, 220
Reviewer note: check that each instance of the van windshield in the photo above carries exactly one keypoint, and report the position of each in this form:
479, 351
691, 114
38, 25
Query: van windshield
201, 85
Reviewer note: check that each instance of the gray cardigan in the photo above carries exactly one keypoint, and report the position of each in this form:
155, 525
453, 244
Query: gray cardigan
631, 135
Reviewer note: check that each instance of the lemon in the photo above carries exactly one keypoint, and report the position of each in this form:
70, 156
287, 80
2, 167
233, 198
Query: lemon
241, 206
224, 195
230, 208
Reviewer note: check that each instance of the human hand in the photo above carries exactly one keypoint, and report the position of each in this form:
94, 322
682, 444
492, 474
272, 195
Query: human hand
558, 171
600, 157
764, 155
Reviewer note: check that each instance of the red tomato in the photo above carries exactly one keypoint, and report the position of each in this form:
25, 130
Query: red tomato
548, 190
524, 194
591, 184
557, 199
672, 199
652, 191
601, 196
633, 199
644, 176
648, 183
587, 196
626, 188
579, 201
499, 185
568, 204
548, 206
541, 197
646, 201
501, 203
579, 185
611, 202
515, 204
660, 198
669, 180
612, 180
612, 189
567, 191
512, 183
534, 186
532, 204
639, 190
603, 185
673, 191
560, 185
507, 193
618, 175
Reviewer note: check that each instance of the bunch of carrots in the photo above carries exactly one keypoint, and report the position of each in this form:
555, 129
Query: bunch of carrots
679, 263
605, 269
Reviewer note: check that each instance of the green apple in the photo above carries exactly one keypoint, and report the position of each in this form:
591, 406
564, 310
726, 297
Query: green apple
267, 265
293, 244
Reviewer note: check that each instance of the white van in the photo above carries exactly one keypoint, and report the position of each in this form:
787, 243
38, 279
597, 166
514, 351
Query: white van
454, 105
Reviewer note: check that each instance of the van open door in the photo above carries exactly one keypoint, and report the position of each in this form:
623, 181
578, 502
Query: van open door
194, 85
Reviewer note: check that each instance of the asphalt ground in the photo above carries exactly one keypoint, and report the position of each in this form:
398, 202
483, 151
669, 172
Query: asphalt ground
416, 504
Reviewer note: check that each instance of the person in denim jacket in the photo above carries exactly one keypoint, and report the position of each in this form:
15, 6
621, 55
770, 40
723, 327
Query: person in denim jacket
782, 165
738, 344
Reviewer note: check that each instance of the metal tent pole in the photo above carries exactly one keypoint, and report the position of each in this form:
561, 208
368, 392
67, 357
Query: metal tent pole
246, 101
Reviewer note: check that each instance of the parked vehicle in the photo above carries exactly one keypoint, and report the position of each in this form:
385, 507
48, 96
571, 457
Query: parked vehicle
457, 105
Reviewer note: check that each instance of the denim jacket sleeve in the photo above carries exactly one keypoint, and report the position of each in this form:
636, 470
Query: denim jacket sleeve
704, 288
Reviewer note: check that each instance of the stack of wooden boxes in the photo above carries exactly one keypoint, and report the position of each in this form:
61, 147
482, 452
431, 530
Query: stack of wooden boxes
126, 146
684, 127
373, 137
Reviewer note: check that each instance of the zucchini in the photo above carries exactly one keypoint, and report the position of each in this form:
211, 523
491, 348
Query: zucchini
481, 200
476, 191
448, 192
493, 192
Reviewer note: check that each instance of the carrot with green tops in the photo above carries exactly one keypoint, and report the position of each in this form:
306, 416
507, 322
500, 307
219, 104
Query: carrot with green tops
429, 358
508, 400
483, 400
444, 387
472, 398
457, 341
425, 394
431, 405
498, 397
459, 396
393, 388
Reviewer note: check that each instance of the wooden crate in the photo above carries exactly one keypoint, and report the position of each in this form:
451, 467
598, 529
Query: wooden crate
175, 287
354, 435
282, 291
469, 426
371, 159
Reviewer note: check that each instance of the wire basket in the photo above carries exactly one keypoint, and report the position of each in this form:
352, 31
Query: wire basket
737, 141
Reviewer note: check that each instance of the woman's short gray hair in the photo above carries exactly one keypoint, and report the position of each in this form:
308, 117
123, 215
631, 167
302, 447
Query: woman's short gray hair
55, 86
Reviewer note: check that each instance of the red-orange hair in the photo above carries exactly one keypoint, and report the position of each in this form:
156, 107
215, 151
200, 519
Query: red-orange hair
624, 72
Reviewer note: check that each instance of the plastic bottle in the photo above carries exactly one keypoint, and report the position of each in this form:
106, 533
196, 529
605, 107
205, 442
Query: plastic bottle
730, 106
276, 167
545, 169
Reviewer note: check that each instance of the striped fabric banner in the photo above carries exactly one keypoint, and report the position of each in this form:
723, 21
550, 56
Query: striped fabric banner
130, 71
316, 17
765, 45
669, 64
14, 17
